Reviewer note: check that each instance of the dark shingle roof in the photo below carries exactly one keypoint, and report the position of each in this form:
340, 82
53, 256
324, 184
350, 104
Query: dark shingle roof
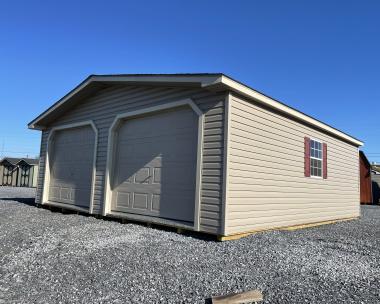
14, 161
31, 161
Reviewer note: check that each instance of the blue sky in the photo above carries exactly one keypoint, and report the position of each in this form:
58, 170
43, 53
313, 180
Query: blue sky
321, 57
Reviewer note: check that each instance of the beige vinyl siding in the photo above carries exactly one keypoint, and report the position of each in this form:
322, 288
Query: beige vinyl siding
106, 104
266, 183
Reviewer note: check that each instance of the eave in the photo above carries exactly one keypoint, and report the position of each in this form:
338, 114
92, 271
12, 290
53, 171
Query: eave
216, 81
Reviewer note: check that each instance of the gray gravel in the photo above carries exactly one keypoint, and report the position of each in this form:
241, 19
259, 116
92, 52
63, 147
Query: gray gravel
50, 257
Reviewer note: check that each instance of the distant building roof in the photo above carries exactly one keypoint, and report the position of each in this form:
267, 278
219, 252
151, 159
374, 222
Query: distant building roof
14, 161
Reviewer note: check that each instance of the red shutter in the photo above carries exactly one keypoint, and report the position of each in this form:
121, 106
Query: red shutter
307, 156
324, 166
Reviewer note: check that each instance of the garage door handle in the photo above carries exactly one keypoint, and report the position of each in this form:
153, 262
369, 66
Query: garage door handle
146, 179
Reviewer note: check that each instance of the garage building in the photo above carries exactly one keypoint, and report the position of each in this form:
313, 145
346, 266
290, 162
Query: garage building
375, 179
365, 180
198, 151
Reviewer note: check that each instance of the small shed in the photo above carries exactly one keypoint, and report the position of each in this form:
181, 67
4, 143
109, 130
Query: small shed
365, 179
375, 178
202, 152
18, 172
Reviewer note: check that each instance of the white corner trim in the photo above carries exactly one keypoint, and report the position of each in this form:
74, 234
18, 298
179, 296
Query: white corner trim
198, 177
112, 134
227, 130
45, 189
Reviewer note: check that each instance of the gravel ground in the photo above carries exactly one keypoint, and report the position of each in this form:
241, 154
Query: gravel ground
49, 257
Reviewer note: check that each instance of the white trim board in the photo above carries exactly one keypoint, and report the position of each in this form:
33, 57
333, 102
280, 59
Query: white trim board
46, 184
112, 134
227, 130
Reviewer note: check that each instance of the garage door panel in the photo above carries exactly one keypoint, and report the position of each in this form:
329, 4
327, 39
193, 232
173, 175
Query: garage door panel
170, 202
166, 126
140, 201
156, 198
123, 199
65, 194
153, 175
155, 163
54, 192
71, 165
142, 176
79, 195
156, 178
156, 136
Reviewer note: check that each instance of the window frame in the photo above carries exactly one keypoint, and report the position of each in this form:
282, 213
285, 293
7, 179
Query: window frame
315, 158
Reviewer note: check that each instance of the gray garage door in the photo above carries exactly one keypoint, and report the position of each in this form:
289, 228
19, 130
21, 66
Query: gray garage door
71, 163
155, 165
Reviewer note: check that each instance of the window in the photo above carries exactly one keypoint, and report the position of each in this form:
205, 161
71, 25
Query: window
316, 158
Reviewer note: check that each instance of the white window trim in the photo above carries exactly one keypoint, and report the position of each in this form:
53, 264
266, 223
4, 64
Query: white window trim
321, 159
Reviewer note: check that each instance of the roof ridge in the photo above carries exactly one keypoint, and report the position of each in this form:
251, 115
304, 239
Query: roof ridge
206, 80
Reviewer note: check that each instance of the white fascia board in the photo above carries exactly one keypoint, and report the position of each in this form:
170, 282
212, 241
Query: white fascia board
204, 81
250, 93
32, 124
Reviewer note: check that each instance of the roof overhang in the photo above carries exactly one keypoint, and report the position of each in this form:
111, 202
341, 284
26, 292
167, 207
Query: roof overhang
23, 161
4, 160
208, 81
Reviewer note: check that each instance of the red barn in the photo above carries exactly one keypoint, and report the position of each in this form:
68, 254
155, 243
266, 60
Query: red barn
365, 179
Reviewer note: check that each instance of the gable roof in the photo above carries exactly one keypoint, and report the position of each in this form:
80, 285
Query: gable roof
14, 161
211, 81
30, 161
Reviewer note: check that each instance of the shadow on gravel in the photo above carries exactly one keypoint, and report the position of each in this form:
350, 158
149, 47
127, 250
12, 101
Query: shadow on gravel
23, 200
30, 201
193, 234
